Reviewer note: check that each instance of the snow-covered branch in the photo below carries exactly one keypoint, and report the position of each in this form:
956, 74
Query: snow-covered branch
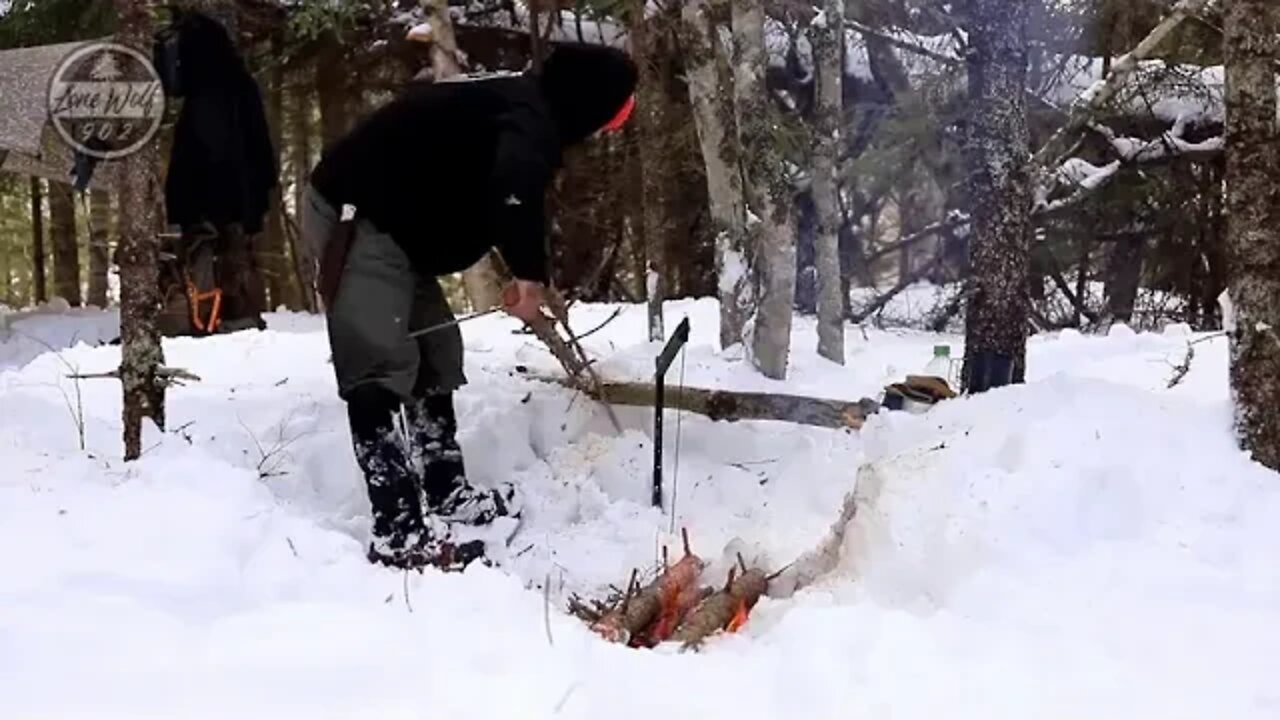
1087, 177
1097, 95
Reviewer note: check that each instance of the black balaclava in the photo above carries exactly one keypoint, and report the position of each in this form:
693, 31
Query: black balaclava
586, 86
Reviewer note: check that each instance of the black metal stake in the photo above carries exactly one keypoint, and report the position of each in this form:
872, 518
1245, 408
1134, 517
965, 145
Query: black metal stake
662, 364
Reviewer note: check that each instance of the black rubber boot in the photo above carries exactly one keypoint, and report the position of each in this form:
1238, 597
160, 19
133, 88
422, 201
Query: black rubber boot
446, 492
380, 452
402, 538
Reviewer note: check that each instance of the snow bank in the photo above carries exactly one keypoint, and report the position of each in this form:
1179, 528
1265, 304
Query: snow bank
1090, 545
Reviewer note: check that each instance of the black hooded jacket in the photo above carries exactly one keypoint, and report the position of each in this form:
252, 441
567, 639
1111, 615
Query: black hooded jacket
451, 169
222, 167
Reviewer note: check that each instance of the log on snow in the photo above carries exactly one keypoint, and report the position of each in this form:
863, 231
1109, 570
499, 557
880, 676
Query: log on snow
733, 405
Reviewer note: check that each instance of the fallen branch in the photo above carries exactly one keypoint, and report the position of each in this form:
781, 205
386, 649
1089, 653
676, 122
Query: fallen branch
733, 406
1100, 93
165, 376
1180, 371
880, 302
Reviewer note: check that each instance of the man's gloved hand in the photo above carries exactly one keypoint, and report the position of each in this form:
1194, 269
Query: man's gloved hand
523, 299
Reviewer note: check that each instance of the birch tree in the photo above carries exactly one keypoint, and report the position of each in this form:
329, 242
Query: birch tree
1253, 232
998, 183
828, 41
711, 94
768, 193
141, 352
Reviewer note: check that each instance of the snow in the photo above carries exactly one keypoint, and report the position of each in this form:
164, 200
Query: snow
1091, 544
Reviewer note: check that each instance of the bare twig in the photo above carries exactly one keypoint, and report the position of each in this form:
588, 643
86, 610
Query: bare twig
1180, 371
77, 408
601, 326
901, 44
280, 447
546, 609
165, 376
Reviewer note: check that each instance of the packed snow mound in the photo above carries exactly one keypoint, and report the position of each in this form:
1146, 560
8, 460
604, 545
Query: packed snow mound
1088, 545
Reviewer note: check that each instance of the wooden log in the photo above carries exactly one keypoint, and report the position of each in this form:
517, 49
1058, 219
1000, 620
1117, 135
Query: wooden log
725, 610
643, 607
733, 405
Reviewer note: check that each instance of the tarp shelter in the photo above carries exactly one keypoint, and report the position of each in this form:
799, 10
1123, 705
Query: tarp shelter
29, 144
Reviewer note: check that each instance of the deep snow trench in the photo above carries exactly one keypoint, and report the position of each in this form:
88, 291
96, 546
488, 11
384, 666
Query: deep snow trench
1090, 544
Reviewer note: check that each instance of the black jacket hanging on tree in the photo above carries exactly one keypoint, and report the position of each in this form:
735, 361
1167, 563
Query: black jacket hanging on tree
222, 167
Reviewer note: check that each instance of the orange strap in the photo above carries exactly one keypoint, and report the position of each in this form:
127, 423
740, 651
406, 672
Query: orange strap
194, 298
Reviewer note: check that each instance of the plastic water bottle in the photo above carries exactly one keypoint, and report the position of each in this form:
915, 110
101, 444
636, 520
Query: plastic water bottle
940, 365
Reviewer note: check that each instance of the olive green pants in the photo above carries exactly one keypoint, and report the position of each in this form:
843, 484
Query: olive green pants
380, 299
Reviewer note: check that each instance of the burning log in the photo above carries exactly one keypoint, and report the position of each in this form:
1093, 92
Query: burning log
726, 610
674, 612
675, 607
627, 621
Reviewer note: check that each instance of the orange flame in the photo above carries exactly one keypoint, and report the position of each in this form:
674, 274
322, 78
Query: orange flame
669, 615
739, 618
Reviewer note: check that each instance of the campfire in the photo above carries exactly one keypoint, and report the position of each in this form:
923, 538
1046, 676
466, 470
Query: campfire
676, 606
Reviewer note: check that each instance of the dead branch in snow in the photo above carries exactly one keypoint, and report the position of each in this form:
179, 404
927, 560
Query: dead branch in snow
884, 298
1180, 371
734, 406
165, 376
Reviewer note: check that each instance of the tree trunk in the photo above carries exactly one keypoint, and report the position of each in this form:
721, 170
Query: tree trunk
1124, 275
652, 166
273, 255
300, 131
710, 91
39, 285
6, 275
999, 189
828, 38
330, 80
99, 246
1253, 235
482, 281
768, 195
141, 353
66, 251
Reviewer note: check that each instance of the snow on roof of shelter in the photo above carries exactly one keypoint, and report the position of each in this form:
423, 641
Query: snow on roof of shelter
28, 143
24, 85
